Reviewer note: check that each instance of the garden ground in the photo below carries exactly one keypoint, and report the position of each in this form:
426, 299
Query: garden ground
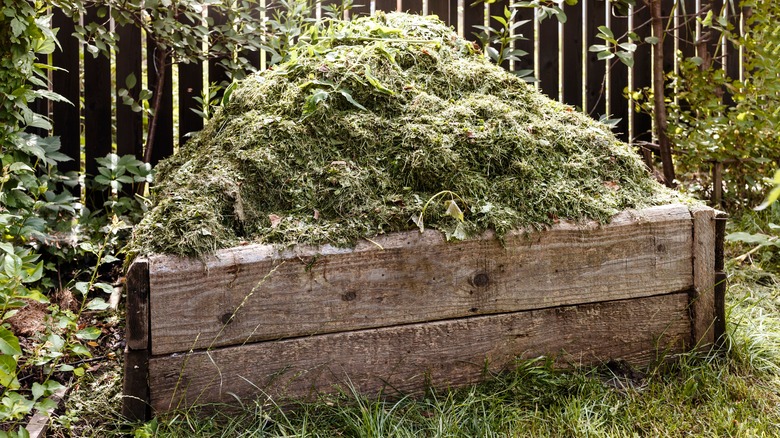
734, 392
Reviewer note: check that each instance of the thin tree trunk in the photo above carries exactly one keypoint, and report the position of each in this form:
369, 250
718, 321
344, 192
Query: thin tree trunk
659, 86
159, 64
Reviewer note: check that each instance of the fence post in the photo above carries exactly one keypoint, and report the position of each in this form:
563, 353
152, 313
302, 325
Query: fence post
66, 82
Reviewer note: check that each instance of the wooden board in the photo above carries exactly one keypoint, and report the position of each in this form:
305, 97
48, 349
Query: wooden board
703, 298
406, 359
230, 298
137, 319
135, 386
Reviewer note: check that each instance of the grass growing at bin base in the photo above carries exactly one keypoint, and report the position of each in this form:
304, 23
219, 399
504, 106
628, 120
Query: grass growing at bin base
735, 393
368, 122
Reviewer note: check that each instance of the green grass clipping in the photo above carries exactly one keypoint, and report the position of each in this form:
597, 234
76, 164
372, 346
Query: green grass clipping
385, 124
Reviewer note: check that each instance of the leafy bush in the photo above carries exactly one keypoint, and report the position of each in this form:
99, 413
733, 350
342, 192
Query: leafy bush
50, 244
707, 128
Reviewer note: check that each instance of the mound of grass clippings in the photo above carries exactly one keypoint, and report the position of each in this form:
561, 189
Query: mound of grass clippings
354, 135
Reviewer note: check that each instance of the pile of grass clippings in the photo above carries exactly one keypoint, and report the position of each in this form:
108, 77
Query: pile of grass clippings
354, 135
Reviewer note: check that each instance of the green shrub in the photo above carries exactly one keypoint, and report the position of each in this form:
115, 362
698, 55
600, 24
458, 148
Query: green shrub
707, 128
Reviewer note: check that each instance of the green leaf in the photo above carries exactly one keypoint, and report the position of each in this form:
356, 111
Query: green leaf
89, 333
453, 210
652, 40
607, 31
37, 390
748, 237
97, 304
82, 287
12, 265
131, 80
347, 95
7, 247
770, 199
376, 83
8, 372
605, 55
9, 344
707, 21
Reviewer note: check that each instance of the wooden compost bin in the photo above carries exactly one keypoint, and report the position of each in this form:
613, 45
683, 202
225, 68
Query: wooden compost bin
408, 310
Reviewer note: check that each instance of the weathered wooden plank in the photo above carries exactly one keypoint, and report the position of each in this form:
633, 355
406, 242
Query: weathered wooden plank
721, 279
163, 138
596, 68
410, 277
407, 359
38, 426
445, 10
386, 5
572, 56
97, 113
66, 82
137, 319
135, 386
703, 292
129, 132
191, 87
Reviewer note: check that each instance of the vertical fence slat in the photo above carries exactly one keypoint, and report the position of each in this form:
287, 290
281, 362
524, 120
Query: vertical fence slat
526, 43
65, 81
412, 6
596, 69
572, 56
642, 71
444, 9
190, 87
253, 57
619, 81
386, 5
497, 8
129, 126
163, 138
217, 73
97, 111
732, 62
40, 106
472, 16
548, 57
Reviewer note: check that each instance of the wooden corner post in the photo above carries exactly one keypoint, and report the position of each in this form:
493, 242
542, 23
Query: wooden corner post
721, 280
703, 297
135, 390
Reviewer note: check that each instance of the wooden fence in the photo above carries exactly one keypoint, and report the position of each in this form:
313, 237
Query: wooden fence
558, 53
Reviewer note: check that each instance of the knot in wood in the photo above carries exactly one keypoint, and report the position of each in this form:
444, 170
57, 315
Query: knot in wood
349, 296
481, 280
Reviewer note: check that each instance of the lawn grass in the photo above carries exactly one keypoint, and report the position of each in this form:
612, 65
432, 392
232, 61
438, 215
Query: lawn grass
735, 392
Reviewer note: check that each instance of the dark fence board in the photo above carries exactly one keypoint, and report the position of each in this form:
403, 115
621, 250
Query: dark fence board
446, 10
97, 113
66, 82
129, 127
572, 56
473, 16
548, 57
618, 82
526, 43
217, 73
190, 87
386, 5
596, 104
412, 6
163, 138
642, 72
